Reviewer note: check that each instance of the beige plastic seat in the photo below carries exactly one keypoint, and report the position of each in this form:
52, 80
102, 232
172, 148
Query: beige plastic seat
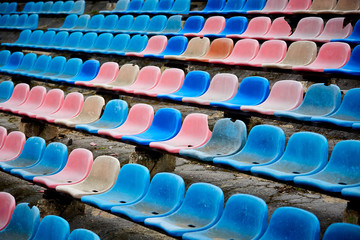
126, 76
299, 54
197, 47
344, 7
90, 112
220, 48
102, 177
318, 6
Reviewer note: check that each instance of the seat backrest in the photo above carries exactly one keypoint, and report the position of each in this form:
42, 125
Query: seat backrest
135, 5
47, 38
87, 40
294, 5
73, 40
124, 23
53, 227
197, 47
137, 43
173, 24
127, 74
91, 109
6, 90
70, 21
193, 24
333, 55
60, 39
275, 5
214, 24
110, 22
53, 100
24, 36
245, 49
222, 86
235, 25
102, 42
195, 84
55, 157
322, 5
14, 142
56, 65
37, 7
253, 90
12, 21
22, 20
258, 26
47, 7
72, 67
149, 5
11, 8
14, 60
341, 230
20, 93
140, 117
78, 8
220, 48
119, 43
157, 23
279, 28
164, 5
233, 5
96, 21
254, 5
140, 23
88, 71
347, 5
6, 209
121, 5
175, 46
115, 110
67, 7
3, 7
147, 78
55, 8
82, 21
73, 104
32, 151
300, 53
28, 7
349, 104
35, 37
181, 6
334, 29
41, 64
171, 78
214, 5
27, 61
4, 57
108, 71
166, 121
308, 27
272, 51
4, 19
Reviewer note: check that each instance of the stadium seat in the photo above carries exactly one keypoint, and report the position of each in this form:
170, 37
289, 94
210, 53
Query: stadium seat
227, 138
131, 186
165, 125
193, 24
308, 28
53, 227
213, 25
6, 90
164, 196
3, 7
107, 74
285, 223
11, 8
80, 24
257, 27
173, 25
89, 113
342, 231
136, 44
334, 29
244, 217
139, 24
284, 95
88, 71
175, 46
37, 7
83, 234
13, 62
162, 6
86, 42
6, 209
180, 7
156, 24
222, 87
118, 44
66, 7
353, 38
41, 64
220, 48
271, 51
212, 6
194, 133
251, 5
59, 40
76, 169
55, 8
23, 224
271, 6
331, 55
28, 7
127, 74
46, 39
120, 7
295, 5
102, 177
46, 7
306, 153
34, 100
101, 44
233, 6
202, 207
26, 64
155, 45
320, 100
123, 24
344, 7
352, 67
138, 121
72, 42
19, 95
71, 69
134, 6
195, 84
78, 8
340, 172
23, 38
279, 28
115, 114
234, 25
55, 67
197, 47
316, 6
31, 22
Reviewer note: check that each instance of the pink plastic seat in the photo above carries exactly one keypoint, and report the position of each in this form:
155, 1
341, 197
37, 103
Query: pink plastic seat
148, 77
271, 6
257, 27
155, 45
138, 121
53, 101
222, 87
76, 169
71, 107
220, 48
295, 5
285, 95
7, 207
307, 28
197, 47
334, 29
213, 25
19, 95
331, 55
243, 51
279, 29
13, 146
317, 6
272, 51
126, 76
107, 73
3, 135
194, 133
170, 81
35, 98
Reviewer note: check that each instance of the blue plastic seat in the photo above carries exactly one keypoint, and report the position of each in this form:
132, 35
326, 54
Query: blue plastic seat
320, 100
54, 228
31, 22
6, 89
95, 23
55, 8
347, 114
45, 9
52, 161
71, 69
114, 115
118, 44
120, 7
342, 231
140, 24
164, 6
46, 39
352, 67
165, 125
86, 42
69, 23
81, 23
227, 138
21, 21
233, 6
37, 7
71, 42
342, 171
11, 8
136, 44
306, 153
31, 153
292, 223
244, 217
55, 67
165, 195
66, 7
149, 6
252, 91
22, 39
212, 6
39, 66
102, 42
109, 23
202, 207
83, 234
251, 5
134, 6
23, 223
180, 7
265, 145
13, 62
156, 24
26, 63
3, 20
173, 25
88, 71
124, 23
33, 39
78, 8
234, 25
193, 24
28, 7
4, 57
175, 46
131, 185
59, 40
11, 22
354, 36
3, 7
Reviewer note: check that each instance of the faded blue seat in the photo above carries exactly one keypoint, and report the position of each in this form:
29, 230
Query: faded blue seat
202, 207
69, 23
55, 67
37, 7
78, 8
251, 5
23, 223
193, 24
173, 25
34, 39
52, 161
212, 6
342, 171
164, 196
3, 20
156, 24
26, 63
46, 39
165, 125
252, 91
149, 6
13, 62
39, 66
6, 89
4, 57
233, 6
81, 23
292, 223
45, 9
342, 231
71, 68
22, 39
109, 24
306, 153
227, 138
354, 36
21, 21
31, 153
66, 7
265, 145
320, 100
11, 8
88, 71
195, 84
176, 45
234, 25
114, 115
59, 40
139, 24
31, 22
131, 185
136, 44
244, 217
180, 7
352, 67
120, 7
28, 7
124, 23
11, 22
102, 42
118, 44
134, 6
164, 6
83, 234
347, 114
95, 23
54, 228
55, 8
3, 7
86, 42
71, 42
